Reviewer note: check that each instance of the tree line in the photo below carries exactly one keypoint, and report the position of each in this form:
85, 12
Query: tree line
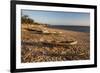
26, 19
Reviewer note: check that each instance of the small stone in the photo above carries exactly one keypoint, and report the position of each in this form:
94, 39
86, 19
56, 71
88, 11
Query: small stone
30, 49
63, 52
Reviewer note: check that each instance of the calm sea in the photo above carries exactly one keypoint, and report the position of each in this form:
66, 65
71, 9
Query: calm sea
73, 28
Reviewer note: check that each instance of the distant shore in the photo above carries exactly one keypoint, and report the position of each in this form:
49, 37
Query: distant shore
72, 28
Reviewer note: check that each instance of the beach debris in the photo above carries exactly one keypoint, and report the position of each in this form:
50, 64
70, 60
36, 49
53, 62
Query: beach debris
30, 49
81, 53
68, 42
63, 52
41, 40
45, 53
45, 31
54, 32
60, 32
37, 53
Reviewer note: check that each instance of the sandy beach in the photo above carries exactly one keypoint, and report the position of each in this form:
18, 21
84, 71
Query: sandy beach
35, 46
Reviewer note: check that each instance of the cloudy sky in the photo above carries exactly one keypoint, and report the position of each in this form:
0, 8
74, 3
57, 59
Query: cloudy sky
59, 18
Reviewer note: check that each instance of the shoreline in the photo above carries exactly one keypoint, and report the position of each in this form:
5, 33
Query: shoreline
72, 28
